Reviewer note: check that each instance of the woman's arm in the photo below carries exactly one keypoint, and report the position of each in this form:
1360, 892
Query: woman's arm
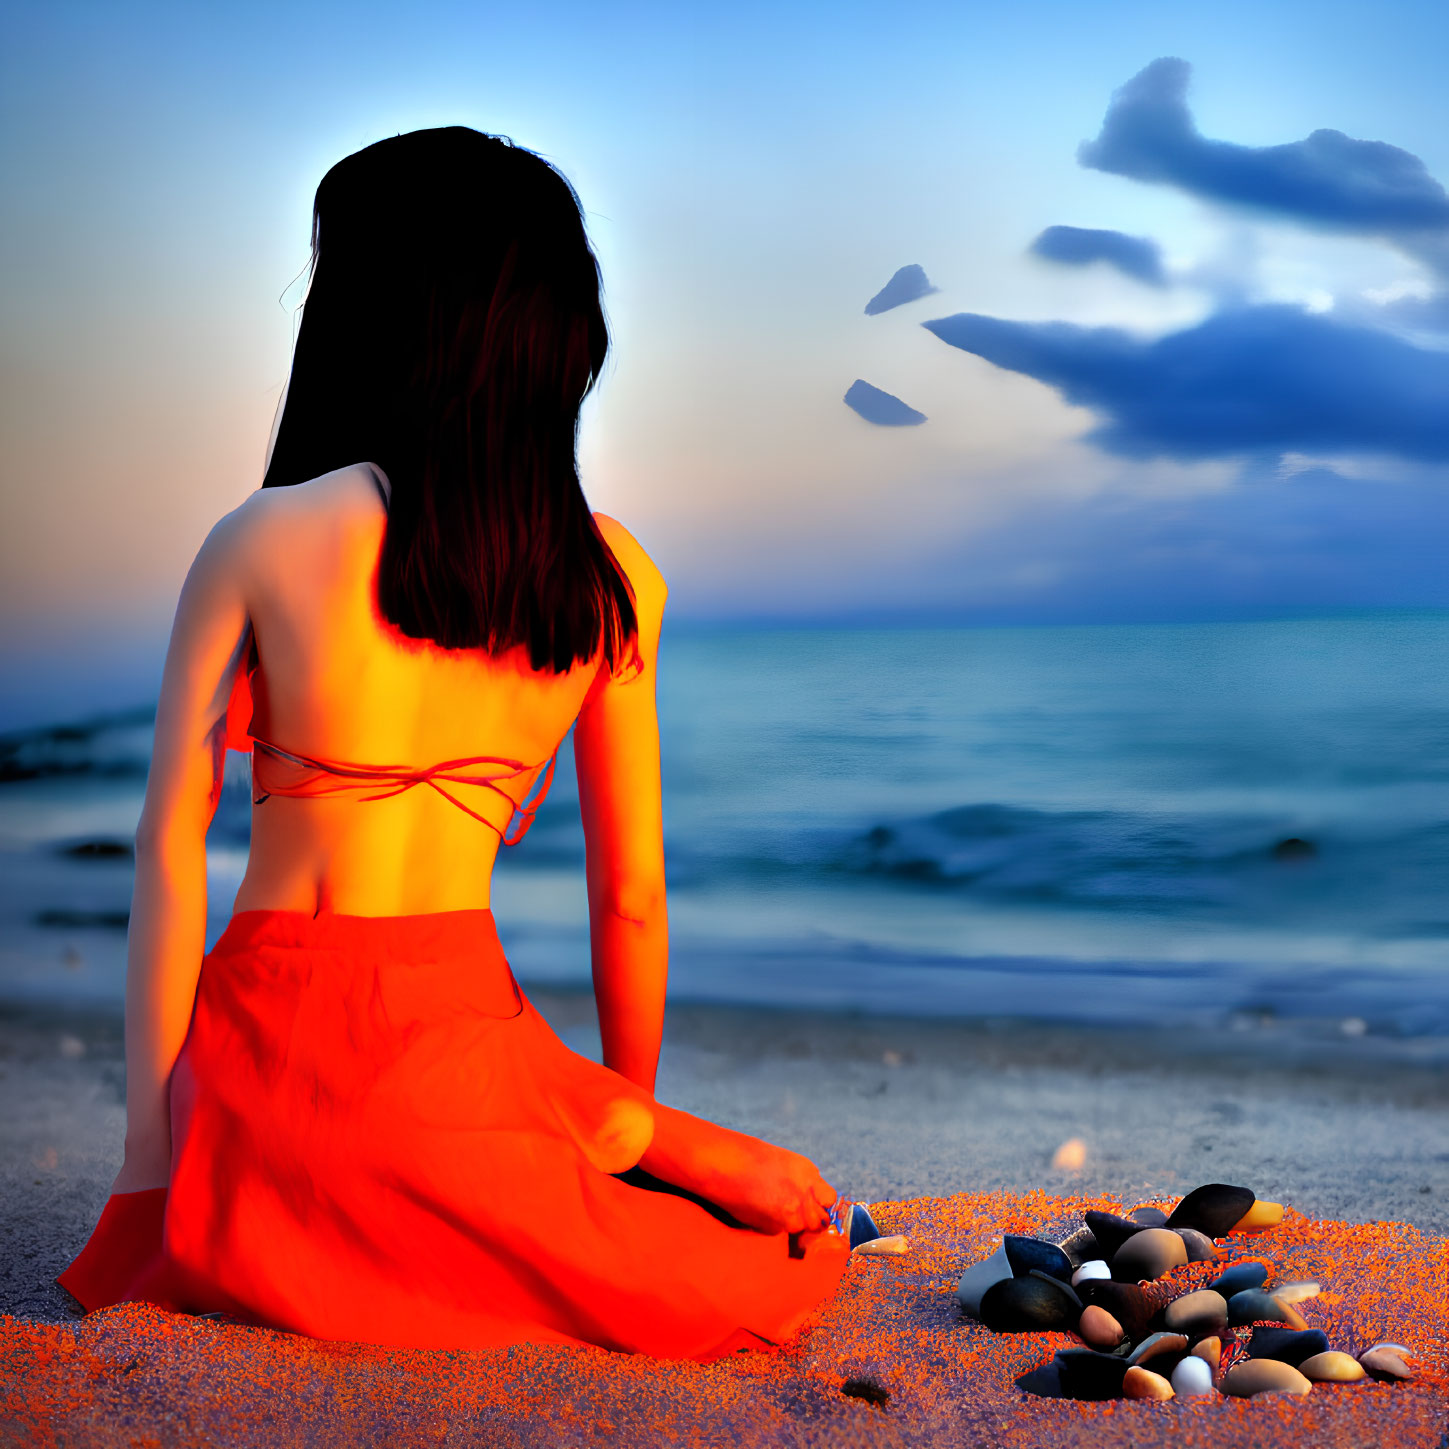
616, 755
167, 935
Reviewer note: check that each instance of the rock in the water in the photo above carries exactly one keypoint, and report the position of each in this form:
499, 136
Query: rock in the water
1210, 1351
1158, 1345
1080, 1246
1215, 1208
1260, 1217
1024, 1254
1296, 1292
1192, 1376
1141, 1383
1384, 1363
1110, 1231
1331, 1367
1238, 1276
1028, 1305
1198, 1315
862, 1226
979, 1277
1148, 1254
1251, 1376
1092, 1268
1086, 1374
1200, 1247
892, 1247
1126, 1302
1148, 1216
1256, 1305
1099, 1328
1288, 1345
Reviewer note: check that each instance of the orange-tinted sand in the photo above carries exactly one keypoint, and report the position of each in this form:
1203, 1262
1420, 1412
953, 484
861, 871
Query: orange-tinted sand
136, 1376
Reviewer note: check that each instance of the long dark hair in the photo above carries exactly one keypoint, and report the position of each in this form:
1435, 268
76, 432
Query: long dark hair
451, 331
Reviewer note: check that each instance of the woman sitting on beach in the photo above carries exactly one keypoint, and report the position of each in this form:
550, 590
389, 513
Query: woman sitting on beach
347, 1120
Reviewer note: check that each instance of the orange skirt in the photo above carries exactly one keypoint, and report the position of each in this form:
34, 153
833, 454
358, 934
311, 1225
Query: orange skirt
377, 1138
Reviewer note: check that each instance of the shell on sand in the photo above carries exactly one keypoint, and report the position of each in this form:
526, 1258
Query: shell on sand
891, 1247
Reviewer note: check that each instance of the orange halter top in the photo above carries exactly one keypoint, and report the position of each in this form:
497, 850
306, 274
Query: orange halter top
332, 777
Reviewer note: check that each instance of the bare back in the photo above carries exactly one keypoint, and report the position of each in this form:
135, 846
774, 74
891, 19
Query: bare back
336, 680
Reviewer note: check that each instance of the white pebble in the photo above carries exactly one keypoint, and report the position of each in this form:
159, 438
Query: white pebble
1095, 1268
1192, 1376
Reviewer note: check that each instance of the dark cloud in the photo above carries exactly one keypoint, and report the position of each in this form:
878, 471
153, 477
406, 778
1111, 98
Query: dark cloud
880, 407
1077, 246
907, 285
1329, 179
1246, 380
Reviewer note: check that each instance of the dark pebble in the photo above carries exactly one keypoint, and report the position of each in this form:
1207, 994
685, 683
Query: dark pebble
1086, 1374
1200, 1248
1080, 1246
1149, 1217
1045, 1382
1214, 1209
1202, 1314
1148, 1254
1238, 1276
1287, 1345
1066, 1287
1158, 1346
1024, 1254
1254, 1305
862, 1226
1110, 1232
1029, 1305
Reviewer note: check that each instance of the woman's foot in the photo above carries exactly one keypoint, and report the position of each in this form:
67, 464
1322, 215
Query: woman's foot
765, 1187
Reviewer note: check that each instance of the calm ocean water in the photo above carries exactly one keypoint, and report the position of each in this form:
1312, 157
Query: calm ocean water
1225, 824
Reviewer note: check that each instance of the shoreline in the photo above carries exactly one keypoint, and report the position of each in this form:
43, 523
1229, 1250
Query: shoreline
890, 1107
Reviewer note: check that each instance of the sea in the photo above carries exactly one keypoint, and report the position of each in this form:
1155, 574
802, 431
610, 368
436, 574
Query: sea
1230, 826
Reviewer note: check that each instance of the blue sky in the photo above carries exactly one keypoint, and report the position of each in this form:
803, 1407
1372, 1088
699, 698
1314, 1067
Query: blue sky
1222, 391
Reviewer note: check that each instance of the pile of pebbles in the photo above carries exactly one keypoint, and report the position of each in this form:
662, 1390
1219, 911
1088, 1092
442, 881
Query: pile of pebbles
1091, 1284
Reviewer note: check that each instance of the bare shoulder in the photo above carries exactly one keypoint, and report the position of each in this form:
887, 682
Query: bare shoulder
643, 573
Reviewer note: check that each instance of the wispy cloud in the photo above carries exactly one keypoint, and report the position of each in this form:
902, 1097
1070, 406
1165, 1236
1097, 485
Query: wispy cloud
1136, 256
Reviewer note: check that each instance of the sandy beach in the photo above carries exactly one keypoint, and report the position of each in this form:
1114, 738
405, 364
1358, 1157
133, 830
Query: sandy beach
900, 1113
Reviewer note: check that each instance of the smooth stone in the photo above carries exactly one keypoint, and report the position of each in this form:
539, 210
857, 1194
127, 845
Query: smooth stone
1197, 1314
1191, 1377
1086, 1374
1200, 1247
1238, 1276
1331, 1367
1110, 1231
1141, 1383
1258, 1218
1210, 1351
862, 1226
979, 1277
1215, 1208
1255, 1305
1156, 1344
1024, 1254
1148, 1254
1297, 1291
1065, 1287
891, 1247
1099, 1328
1045, 1382
1148, 1216
1287, 1345
1251, 1376
1092, 1268
1383, 1363
1126, 1302
1028, 1305
1080, 1246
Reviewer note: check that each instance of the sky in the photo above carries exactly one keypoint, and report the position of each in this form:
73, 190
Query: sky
1181, 348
